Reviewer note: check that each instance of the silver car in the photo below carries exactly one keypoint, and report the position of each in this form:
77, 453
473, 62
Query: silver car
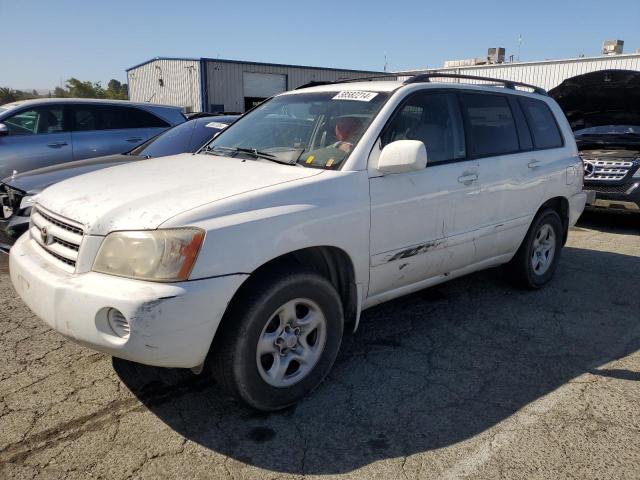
43, 132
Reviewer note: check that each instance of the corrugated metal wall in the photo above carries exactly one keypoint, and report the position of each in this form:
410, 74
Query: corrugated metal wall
547, 74
181, 83
225, 79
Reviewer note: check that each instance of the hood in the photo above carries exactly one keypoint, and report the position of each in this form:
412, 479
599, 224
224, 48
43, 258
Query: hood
35, 181
605, 97
143, 195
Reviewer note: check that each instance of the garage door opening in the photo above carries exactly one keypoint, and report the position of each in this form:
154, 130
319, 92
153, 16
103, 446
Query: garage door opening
257, 87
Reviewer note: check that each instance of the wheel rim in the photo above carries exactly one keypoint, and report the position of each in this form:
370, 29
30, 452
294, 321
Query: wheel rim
291, 342
543, 249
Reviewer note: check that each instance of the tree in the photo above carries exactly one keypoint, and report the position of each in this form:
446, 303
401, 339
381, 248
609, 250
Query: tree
7, 95
117, 90
87, 89
59, 92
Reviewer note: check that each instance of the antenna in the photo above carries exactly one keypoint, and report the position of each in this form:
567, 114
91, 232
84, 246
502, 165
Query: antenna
519, 45
386, 64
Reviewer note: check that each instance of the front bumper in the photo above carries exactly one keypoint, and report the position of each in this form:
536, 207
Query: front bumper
172, 325
626, 199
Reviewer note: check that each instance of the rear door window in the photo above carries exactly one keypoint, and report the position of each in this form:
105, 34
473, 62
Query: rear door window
491, 128
542, 123
108, 117
85, 118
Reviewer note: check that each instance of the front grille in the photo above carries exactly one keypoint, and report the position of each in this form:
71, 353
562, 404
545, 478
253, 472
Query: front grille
611, 170
57, 237
624, 188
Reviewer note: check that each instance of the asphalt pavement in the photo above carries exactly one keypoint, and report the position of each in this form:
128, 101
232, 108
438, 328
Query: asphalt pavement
470, 379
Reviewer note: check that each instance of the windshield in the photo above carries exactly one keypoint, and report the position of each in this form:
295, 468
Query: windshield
317, 129
183, 138
608, 130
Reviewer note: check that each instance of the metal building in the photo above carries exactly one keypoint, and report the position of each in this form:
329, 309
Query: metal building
213, 85
546, 74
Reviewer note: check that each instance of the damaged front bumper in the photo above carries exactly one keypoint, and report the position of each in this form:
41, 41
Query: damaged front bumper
170, 325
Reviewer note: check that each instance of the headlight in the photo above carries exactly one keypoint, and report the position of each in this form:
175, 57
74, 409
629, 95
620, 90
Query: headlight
28, 201
156, 255
26, 204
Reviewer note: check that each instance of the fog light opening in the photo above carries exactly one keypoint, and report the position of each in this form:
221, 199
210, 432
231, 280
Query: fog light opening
118, 323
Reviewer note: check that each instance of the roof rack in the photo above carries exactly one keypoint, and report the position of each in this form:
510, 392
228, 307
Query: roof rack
426, 77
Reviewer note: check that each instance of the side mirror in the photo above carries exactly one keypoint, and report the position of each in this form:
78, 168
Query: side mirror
4, 131
403, 156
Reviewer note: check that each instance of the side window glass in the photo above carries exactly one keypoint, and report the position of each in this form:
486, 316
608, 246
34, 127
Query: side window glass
118, 118
85, 118
115, 118
524, 135
35, 121
435, 120
138, 118
492, 129
542, 123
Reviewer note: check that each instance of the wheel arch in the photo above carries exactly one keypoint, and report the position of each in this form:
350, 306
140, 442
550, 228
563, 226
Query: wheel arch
333, 263
561, 206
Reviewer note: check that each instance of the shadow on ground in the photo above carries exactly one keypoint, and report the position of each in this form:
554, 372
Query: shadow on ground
423, 372
610, 221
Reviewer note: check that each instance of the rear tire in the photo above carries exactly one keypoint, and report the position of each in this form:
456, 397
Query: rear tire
279, 339
535, 262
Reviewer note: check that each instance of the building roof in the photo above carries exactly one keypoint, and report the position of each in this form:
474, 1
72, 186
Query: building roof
223, 60
620, 57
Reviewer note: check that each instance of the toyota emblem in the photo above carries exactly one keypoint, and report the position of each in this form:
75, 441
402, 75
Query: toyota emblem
589, 169
44, 235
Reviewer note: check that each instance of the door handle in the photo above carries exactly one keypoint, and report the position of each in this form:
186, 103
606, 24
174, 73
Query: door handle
134, 139
534, 163
468, 178
56, 144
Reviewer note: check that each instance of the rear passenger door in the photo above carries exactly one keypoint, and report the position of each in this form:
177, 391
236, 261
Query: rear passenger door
511, 186
110, 129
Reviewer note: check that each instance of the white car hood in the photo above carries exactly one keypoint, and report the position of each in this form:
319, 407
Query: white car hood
142, 195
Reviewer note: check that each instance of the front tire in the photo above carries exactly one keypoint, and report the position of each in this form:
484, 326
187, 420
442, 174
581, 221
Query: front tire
536, 260
279, 339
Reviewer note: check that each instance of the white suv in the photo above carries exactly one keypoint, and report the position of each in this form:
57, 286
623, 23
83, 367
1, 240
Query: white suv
257, 252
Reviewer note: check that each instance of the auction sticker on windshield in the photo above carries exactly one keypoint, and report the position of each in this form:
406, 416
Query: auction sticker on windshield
218, 125
355, 95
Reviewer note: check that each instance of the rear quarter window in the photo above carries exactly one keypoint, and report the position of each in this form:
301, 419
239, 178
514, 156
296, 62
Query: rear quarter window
108, 117
542, 123
491, 128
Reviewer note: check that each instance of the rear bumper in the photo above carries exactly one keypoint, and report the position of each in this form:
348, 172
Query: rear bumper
171, 325
577, 203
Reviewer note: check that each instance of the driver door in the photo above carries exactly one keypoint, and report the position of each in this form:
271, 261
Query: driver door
38, 137
422, 222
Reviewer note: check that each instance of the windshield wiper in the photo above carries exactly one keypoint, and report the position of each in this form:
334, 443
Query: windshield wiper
251, 151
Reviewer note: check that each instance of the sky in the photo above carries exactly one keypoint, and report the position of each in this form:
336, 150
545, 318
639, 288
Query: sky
46, 42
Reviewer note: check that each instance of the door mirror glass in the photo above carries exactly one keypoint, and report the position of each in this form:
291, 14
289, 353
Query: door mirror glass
403, 156
3, 130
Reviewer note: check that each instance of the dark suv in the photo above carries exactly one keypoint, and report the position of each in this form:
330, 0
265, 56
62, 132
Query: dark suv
603, 109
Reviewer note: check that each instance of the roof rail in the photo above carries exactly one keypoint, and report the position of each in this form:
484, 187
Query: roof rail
426, 77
